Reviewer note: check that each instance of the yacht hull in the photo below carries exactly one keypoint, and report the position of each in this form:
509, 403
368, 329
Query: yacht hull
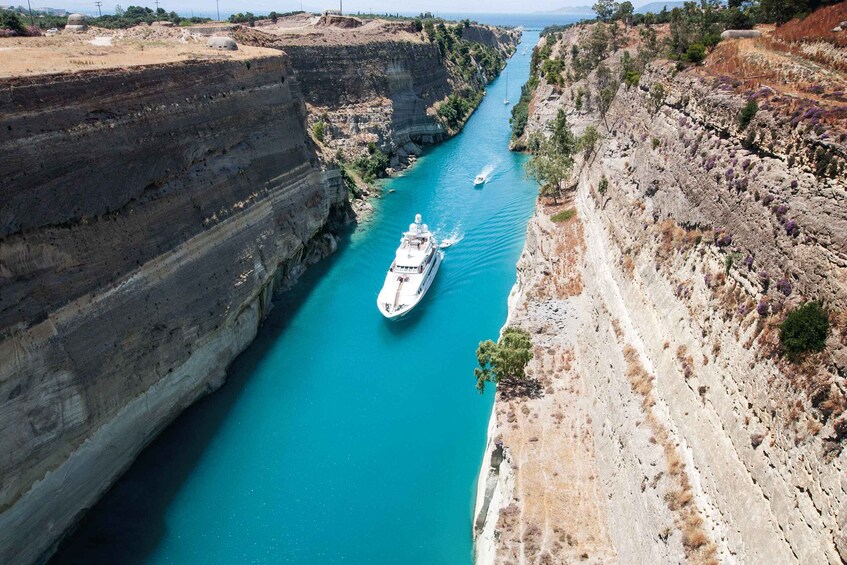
397, 313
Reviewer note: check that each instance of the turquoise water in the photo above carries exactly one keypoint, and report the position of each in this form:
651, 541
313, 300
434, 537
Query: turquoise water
341, 437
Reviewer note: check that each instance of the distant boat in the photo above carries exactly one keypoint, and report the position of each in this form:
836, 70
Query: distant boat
480, 179
445, 244
415, 263
506, 99
524, 52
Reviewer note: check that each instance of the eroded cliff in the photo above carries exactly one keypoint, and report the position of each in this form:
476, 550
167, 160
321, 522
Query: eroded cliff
662, 422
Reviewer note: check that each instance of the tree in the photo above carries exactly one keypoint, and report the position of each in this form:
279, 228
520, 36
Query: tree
804, 330
781, 11
605, 9
562, 138
551, 190
10, 20
588, 141
657, 96
549, 168
604, 101
504, 360
625, 10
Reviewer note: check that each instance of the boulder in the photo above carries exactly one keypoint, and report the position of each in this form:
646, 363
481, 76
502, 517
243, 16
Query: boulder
740, 33
222, 43
76, 24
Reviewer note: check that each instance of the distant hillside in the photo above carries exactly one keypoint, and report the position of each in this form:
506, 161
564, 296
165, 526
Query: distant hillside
578, 10
656, 7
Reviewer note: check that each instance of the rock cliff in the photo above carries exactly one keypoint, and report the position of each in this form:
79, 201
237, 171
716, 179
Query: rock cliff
665, 424
148, 214
383, 87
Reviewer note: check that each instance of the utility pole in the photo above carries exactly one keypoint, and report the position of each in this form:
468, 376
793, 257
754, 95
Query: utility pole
31, 19
99, 11
340, 9
157, 6
218, 4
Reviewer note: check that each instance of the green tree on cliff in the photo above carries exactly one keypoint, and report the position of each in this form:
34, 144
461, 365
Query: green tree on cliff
504, 360
552, 164
605, 9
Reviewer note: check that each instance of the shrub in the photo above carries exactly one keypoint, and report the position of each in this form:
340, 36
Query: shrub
563, 216
318, 131
506, 359
604, 185
10, 20
804, 330
748, 112
632, 78
695, 53
373, 165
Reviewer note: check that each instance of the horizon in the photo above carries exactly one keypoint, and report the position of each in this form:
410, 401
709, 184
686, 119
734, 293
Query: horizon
351, 7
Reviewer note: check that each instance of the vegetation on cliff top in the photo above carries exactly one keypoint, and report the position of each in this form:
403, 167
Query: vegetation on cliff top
474, 63
504, 360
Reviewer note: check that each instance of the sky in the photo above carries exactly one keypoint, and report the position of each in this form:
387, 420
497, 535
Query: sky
376, 6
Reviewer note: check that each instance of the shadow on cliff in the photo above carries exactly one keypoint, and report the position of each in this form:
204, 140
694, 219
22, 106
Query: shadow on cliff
128, 524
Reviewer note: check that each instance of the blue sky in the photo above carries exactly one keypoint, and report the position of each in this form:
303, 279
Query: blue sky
382, 6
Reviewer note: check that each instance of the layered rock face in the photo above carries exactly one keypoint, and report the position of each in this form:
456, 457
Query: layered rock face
664, 410
380, 93
146, 217
380, 90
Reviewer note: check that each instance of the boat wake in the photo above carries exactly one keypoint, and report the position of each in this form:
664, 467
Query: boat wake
452, 238
486, 171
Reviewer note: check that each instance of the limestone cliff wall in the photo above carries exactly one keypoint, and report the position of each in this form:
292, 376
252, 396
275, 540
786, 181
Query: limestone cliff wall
147, 217
655, 316
383, 91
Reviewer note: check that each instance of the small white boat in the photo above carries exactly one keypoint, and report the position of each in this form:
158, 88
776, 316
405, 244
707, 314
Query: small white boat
480, 179
524, 52
411, 274
505, 101
445, 244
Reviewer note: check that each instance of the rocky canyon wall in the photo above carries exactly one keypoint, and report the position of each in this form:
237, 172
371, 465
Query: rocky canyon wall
665, 424
381, 89
148, 215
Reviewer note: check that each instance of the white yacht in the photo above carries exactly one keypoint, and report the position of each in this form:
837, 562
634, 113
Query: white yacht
480, 179
412, 271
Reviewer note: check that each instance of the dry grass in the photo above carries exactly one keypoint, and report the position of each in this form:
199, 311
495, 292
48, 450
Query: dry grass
680, 499
674, 238
565, 277
27, 56
816, 27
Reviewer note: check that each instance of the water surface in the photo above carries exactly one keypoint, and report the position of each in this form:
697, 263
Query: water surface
341, 437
